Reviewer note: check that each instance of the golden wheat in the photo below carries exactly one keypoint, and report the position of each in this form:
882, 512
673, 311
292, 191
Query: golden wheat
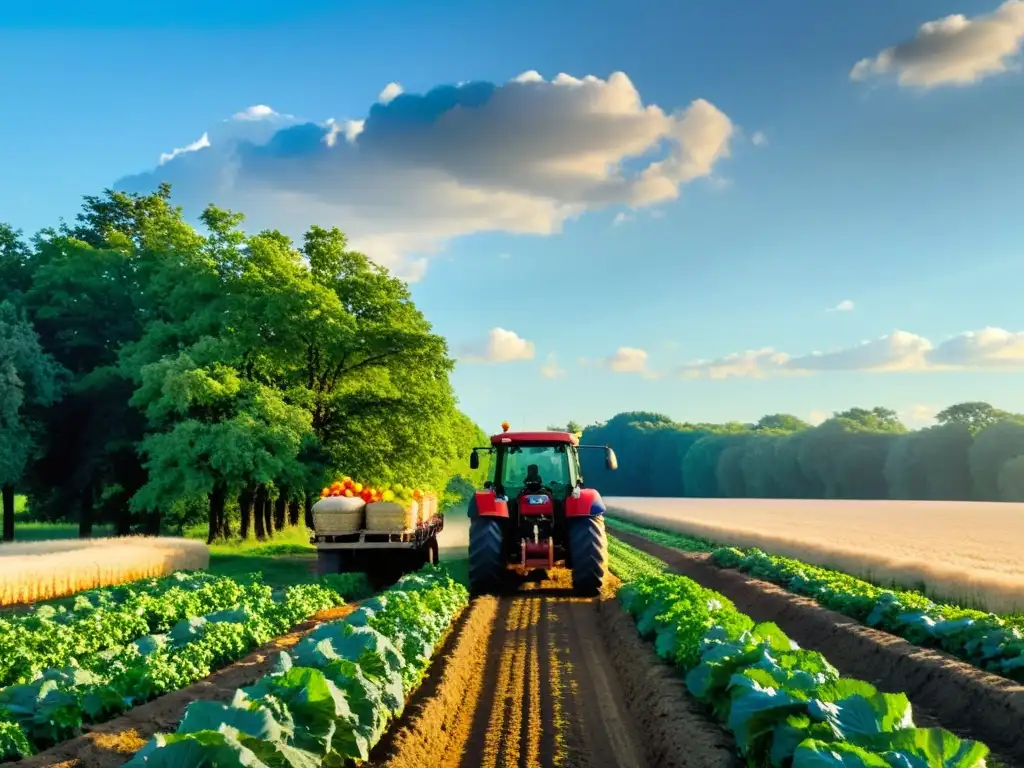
46, 569
964, 552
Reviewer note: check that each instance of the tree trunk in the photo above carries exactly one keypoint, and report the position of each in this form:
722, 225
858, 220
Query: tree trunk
8, 500
280, 510
258, 516
85, 514
245, 499
308, 510
151, 526
225, 525
217, 498
268, 516
293, 511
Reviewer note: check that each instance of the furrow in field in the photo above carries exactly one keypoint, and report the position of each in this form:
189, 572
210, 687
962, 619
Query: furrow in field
943, 690
538, 684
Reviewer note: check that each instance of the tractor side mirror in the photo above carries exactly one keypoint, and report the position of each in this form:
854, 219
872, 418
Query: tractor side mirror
611, 461
474, 460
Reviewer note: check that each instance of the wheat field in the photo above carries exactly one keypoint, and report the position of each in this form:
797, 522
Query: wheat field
43, 570
964, 552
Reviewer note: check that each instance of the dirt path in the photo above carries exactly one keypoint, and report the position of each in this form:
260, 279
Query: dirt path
111, 744
541, 678
943, 690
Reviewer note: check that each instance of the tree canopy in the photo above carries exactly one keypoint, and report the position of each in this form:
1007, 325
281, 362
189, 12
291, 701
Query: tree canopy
976, 452
211, 372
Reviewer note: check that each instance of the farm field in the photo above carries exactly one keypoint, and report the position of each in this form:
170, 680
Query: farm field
965, 553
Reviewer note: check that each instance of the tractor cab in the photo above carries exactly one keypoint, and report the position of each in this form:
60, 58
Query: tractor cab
533, 500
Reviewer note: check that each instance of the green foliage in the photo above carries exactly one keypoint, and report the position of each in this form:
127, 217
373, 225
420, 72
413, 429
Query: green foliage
990, 642
783, 704
203, 366
859, 453
332, 695
89, 670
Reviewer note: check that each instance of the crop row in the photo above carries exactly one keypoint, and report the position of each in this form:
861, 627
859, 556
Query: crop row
50, 636
331, 697
59, 700
783, 704
988, 641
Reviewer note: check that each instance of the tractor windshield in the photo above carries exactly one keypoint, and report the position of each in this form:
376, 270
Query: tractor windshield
551, 464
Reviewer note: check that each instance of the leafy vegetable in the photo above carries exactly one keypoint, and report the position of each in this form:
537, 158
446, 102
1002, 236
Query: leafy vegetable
782, 703
330, 698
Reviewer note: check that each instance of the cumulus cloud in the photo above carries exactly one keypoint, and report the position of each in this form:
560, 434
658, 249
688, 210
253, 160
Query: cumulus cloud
550, 369
391, 90
519, 157
990, 348
846, 305
500, 346
758, 139
953, 50
624, 360
621, 218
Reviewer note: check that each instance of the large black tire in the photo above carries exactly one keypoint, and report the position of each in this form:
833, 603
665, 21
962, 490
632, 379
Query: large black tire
588, 546
486, 555
328, 561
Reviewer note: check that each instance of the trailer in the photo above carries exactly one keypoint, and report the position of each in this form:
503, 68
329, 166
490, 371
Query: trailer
382, 555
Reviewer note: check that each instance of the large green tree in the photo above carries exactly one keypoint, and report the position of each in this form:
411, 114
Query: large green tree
30, 381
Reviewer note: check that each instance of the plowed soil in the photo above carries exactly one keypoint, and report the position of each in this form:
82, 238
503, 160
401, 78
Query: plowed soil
943, 690
111, 744
542, 678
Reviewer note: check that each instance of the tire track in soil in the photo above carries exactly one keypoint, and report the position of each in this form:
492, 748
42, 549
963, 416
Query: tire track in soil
537, 685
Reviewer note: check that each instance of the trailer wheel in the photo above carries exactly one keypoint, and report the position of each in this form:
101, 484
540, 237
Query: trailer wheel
588, 546
485, 555
328, 561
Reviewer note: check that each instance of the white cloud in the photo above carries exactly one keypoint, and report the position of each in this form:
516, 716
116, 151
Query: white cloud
990, 348
846, 305
919, 415
391, 90
550, 369
758, 139
500, 346
520, 157
201, 143
817, 416
255, 112
987, 348
621, 218
754, 363
504, 255
627, 360
953, 50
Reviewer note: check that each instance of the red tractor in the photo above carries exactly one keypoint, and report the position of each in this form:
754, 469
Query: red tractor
535, 513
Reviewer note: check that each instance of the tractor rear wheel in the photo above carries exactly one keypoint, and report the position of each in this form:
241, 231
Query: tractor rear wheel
588, 546
486, 560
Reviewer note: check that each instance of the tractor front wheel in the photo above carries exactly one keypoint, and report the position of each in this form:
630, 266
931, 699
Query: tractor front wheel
486, 555
588, 548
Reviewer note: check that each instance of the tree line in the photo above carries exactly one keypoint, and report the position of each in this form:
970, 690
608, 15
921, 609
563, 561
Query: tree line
154, 375
974, 453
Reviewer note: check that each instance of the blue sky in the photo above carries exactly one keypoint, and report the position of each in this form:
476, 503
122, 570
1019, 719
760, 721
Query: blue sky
903, 198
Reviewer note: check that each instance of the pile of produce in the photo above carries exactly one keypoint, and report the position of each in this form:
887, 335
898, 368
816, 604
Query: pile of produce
350, 488
332, 696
